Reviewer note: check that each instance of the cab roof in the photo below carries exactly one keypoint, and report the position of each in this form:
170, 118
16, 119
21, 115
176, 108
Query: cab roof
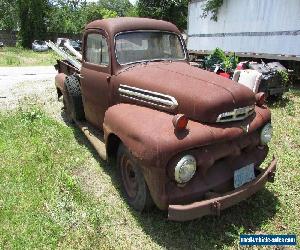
120, 24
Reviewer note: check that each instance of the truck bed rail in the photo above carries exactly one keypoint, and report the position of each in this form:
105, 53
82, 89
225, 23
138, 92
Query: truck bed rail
77, 64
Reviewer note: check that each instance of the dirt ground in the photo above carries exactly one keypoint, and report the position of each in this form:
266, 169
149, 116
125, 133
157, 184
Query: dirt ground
33, 85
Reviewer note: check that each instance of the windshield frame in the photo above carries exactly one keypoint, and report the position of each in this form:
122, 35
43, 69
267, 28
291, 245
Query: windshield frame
153, 60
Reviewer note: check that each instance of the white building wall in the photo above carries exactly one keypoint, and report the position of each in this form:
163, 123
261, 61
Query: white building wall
257, 26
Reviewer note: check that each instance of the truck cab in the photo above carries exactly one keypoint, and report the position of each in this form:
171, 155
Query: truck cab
184, 139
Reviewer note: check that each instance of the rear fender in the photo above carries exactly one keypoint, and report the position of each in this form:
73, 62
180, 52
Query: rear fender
60, 83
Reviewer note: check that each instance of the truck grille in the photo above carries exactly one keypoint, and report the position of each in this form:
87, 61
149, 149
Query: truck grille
236, 115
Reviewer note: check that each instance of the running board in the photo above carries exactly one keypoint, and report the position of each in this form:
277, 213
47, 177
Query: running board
94, 136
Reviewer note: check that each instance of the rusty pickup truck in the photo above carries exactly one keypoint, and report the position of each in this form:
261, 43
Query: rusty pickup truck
183, 139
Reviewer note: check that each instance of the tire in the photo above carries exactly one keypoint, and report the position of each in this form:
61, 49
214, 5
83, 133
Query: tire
73, 99
135, 187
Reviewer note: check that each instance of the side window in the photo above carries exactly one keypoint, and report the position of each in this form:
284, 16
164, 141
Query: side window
97, 49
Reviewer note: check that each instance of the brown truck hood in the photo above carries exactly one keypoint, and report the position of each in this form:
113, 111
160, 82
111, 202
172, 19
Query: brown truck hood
201, 95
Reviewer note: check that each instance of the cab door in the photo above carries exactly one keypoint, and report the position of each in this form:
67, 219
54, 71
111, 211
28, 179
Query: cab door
95, 75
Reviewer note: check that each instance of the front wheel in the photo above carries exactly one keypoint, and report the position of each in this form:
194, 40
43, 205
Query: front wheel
134, 184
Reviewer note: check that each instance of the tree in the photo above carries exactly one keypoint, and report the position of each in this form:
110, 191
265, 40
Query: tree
121, 7
95, 11
9, 15
71, 16
108, 13
174, 11
66, 16
33, 18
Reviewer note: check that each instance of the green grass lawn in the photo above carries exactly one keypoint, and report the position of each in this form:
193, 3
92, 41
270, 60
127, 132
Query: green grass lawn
56, 192
15, 56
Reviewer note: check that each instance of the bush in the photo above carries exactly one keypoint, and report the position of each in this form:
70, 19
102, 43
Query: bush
218, 56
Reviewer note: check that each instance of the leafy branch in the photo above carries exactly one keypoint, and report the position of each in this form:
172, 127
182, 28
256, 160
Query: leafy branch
284, 77
212, 6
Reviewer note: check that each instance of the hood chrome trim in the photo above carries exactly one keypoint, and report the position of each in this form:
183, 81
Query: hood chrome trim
236, 115
155, 99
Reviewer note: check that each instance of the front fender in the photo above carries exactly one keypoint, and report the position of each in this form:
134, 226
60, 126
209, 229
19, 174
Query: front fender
145, 132
150, 136
140, 130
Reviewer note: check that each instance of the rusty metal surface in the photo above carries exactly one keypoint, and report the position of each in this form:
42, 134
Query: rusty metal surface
115, 25
147, 130
65, 67
201, 95
151, 137
218, 177
152, 140
59, 81
215, 205
95, 90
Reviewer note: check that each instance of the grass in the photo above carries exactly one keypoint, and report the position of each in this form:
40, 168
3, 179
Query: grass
15, 56
57, 193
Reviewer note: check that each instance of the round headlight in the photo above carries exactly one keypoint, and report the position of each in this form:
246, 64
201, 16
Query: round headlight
266, 134
185, 169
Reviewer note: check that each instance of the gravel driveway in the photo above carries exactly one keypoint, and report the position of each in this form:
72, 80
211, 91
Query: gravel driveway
34, 85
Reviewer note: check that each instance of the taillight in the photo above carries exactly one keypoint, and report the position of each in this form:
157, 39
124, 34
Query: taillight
180, 121
260, 99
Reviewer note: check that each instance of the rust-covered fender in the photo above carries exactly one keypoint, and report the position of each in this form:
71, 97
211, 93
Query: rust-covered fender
60, 81
149, 134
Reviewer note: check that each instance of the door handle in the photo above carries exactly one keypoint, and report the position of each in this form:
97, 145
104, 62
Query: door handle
80, 76
108, 79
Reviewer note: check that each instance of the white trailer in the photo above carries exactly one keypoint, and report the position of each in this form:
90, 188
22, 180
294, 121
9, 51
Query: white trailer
268, 29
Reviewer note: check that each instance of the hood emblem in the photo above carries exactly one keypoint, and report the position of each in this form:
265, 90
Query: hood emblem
236, 115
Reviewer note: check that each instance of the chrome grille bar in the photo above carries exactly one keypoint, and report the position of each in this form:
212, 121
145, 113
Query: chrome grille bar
148, 97
236, 115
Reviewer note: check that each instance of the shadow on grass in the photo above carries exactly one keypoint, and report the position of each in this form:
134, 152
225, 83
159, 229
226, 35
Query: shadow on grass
275, 102
286, 100
205, 233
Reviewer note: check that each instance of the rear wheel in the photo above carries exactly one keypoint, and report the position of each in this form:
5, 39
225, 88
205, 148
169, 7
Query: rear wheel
134, 184
72, 99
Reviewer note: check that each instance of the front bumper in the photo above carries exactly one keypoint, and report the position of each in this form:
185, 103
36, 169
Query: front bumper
215, 205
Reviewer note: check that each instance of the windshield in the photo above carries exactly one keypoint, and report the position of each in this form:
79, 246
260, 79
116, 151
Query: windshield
148, 46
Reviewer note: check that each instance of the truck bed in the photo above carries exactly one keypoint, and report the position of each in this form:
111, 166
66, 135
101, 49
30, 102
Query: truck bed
63, 66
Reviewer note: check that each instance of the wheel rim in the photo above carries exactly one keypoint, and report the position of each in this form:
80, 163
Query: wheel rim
129, 177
